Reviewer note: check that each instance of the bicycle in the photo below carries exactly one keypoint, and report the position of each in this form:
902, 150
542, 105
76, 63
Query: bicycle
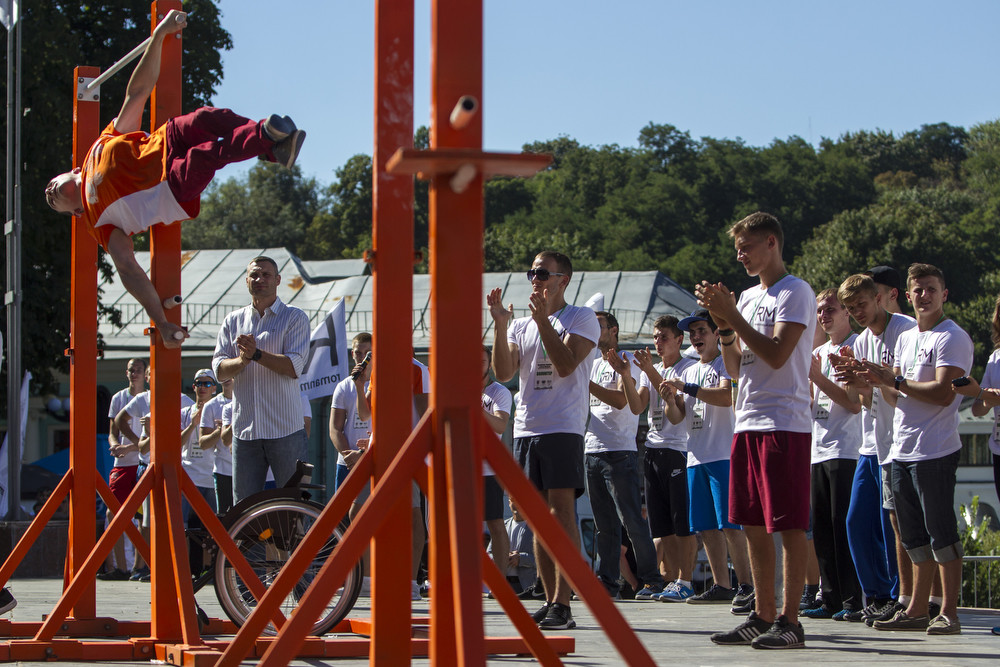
267, 528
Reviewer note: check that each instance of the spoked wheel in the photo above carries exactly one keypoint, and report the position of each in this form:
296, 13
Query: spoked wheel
267, 535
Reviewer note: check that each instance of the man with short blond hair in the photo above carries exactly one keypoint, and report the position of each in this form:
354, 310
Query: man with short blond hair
766, 343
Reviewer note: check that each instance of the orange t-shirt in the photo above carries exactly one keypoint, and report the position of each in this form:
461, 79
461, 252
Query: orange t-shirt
124, 184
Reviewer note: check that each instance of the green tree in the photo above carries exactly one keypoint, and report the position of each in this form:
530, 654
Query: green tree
58, 36
269, 207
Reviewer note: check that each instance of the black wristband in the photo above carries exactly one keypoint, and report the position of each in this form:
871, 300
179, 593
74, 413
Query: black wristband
691, 389
729, 343
256, 355
726, 332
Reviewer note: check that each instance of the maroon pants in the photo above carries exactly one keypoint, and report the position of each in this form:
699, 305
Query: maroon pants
206, 140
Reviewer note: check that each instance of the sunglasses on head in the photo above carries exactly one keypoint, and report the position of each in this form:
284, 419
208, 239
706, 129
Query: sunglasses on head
204, 383
542, 274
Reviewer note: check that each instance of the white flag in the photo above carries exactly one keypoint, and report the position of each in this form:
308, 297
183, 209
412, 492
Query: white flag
327, 362
3, 449
8, 13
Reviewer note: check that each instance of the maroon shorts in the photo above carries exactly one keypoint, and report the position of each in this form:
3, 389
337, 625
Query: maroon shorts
769, 480
123, 481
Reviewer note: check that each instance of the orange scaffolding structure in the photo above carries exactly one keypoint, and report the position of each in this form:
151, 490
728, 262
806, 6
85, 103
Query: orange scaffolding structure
452, 435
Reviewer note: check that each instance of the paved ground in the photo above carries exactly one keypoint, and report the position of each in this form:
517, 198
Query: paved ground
673, 633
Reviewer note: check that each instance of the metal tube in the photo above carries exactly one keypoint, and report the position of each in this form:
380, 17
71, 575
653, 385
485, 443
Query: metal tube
122, 62
118, 66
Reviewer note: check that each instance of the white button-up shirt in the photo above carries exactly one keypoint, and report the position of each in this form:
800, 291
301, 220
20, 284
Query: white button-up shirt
266, 404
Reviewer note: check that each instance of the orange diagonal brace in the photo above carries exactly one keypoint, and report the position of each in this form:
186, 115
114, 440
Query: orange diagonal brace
84, 577
511, 604
35, 529
395, 483
138, 541
565, 554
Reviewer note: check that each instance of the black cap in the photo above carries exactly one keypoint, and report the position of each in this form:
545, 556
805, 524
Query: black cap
886, 275
699, 315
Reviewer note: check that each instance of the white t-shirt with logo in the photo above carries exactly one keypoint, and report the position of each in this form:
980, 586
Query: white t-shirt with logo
662, 434
345, 397
139, 407
223, 455
119, 401
836, 432
709, 427
991, 380
924, 431
777, 399
876, 421
496, 398
549, 403
198, 463
610, 429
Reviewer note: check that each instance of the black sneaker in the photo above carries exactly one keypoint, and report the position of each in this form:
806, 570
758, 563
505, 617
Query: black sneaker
541, 613
649, 591
114, 575
559, 617
746, 607
7, 601
884, 613
278, 128
287, 150
714, 595
781, 634
744, 633
808, 599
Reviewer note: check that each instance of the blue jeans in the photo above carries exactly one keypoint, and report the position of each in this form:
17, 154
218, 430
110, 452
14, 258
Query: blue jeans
613, 482
869, 532
251, 459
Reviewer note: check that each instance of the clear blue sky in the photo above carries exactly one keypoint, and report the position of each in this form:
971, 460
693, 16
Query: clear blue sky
600, 71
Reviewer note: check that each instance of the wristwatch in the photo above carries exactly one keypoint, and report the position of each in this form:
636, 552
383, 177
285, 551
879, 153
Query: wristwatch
899, 380
256, 357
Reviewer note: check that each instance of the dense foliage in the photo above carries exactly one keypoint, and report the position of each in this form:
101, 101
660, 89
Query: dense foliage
56, 37
866, 198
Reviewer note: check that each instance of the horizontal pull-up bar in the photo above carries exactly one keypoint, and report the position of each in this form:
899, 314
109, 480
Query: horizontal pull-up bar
129, 57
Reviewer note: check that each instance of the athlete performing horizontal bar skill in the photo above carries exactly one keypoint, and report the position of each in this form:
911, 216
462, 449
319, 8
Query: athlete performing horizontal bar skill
131, 180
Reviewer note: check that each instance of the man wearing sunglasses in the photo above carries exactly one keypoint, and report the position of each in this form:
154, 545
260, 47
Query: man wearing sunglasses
548, 349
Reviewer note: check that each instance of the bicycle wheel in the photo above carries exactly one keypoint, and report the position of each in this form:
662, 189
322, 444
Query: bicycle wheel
267, 535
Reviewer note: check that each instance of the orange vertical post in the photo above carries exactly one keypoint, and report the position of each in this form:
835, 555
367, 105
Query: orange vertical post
392, 240
165, 364
83, 354
456, 251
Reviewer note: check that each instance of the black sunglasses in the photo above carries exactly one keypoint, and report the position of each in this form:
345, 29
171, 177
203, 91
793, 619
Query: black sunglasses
204, 383
542, 274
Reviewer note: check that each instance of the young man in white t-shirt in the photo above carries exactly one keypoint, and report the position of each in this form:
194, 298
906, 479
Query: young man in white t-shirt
836, 440
549, 350
124, 474
706, 408
612, 463
926, 447
664, 464
349, 432
871, 516
767, 344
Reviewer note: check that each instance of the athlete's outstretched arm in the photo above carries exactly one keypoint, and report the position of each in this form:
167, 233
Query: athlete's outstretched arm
146, 73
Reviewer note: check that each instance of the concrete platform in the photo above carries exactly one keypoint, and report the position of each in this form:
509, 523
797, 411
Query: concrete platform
673, 633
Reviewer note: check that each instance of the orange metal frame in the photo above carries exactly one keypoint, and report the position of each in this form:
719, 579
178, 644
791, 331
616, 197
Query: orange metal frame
453, 432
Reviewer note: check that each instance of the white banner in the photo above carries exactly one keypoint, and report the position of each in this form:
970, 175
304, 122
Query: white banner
327, 363
3, 448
